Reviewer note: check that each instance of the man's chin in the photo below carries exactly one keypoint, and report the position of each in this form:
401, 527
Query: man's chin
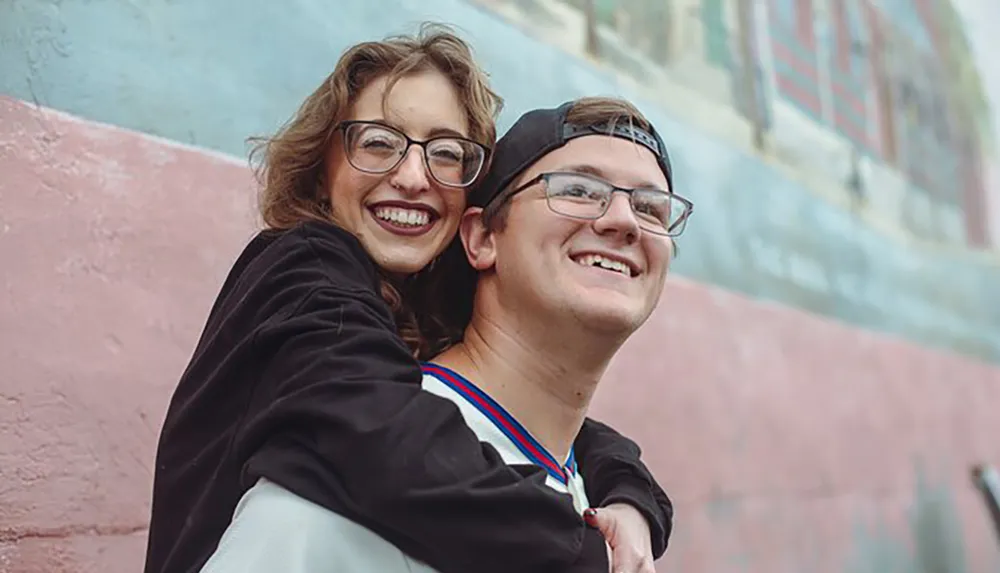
610, 319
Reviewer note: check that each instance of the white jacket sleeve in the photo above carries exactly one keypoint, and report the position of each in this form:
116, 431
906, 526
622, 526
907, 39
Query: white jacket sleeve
274, 530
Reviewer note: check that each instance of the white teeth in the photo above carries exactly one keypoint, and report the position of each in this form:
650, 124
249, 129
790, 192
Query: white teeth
605, 263
400, 216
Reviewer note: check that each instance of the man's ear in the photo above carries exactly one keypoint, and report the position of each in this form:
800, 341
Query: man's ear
477, 239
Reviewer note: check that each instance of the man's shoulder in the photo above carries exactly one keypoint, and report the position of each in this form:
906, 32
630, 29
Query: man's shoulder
441, 382
474, 406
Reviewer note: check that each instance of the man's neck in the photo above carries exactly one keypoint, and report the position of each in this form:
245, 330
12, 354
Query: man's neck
546, 382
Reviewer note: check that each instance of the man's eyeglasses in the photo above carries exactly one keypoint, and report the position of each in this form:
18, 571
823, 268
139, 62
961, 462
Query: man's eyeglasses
584, 196
376, 148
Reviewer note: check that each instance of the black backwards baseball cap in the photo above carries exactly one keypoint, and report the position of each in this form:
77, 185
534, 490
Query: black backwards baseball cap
541, 131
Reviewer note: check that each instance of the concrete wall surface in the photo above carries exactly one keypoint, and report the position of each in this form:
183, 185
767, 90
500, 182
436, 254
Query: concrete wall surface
789, 442
214, 73
111, 246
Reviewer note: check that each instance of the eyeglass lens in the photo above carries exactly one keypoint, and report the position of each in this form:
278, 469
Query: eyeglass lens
585, 197
376, 148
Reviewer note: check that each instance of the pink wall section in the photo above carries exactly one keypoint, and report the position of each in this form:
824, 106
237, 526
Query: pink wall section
112, 247
788, 442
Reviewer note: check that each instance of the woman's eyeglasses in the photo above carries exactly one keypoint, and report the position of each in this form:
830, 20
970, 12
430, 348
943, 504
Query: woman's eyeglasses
376, 148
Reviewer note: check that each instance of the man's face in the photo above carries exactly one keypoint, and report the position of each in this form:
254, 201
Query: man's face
558, 266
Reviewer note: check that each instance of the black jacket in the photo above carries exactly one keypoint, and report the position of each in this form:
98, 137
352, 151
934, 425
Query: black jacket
300, 377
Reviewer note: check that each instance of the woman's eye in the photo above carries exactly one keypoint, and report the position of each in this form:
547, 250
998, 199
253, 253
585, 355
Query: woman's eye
376, 143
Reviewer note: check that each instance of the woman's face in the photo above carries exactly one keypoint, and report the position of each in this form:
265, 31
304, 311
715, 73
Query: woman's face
404, 217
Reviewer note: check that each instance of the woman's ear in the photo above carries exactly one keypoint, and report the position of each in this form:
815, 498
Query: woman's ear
477, 239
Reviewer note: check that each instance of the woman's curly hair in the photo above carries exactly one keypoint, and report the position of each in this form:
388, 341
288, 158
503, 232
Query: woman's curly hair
289, 165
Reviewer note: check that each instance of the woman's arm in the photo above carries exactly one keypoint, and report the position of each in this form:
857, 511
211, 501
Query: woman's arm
614, 473
339, 418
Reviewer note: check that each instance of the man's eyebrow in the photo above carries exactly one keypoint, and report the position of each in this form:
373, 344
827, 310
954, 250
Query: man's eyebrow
586, 169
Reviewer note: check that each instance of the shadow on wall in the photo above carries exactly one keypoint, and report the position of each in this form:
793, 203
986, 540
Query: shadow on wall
935, 540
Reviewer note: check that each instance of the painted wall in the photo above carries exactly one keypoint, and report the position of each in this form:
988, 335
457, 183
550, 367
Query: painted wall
111, 245
993, 198
789, 442
213, 73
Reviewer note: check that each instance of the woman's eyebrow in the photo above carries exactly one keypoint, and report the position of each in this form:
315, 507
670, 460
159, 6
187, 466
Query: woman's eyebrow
434, 132
446, 132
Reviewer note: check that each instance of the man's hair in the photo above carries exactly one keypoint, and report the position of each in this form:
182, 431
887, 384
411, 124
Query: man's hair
290, 166
585, 112
443, 296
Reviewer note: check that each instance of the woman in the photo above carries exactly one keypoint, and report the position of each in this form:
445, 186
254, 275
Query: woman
301, 377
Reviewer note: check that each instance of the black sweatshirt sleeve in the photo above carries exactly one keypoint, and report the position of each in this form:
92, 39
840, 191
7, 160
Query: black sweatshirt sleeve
338, 417
614, 473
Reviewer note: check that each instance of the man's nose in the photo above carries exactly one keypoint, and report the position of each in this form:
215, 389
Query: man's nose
619, 219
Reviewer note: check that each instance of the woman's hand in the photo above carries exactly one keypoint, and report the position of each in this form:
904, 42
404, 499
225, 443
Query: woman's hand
627, 534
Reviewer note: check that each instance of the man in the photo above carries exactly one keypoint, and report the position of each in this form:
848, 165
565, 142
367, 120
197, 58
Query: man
571, 236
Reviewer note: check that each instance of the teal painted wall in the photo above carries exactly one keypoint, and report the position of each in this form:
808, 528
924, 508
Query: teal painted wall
212, 73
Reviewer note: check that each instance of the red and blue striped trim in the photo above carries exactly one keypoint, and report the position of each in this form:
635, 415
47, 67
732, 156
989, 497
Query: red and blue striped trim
506, 423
